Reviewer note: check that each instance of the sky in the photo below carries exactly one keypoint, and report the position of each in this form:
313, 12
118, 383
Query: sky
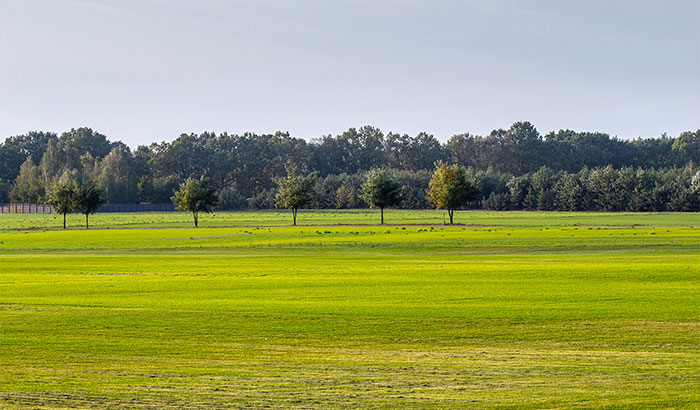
145, 71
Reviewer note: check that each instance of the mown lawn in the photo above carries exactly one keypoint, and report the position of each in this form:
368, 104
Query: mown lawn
516, 310
345, 217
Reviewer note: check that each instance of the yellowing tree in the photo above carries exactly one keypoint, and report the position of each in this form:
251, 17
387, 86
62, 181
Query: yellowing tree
450, 188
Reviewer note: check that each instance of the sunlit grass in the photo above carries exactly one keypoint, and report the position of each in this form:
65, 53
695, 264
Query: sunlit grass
525, 310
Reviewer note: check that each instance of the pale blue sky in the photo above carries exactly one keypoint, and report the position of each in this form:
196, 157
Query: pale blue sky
147, 70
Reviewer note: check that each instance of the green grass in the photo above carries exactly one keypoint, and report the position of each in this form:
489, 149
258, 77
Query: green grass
516, 310
346, 217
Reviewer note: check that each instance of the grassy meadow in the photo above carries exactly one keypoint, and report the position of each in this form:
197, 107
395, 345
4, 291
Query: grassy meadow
510, 310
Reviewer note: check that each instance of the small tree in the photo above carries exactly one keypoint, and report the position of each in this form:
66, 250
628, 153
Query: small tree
88, 197
62, 199
381, 189
450, 188
295, 191
195, 195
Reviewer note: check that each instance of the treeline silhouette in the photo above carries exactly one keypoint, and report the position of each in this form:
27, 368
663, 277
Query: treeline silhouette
514, 168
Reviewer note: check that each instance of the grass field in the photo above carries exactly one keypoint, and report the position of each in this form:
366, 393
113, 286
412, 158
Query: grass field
513, 310
344, 217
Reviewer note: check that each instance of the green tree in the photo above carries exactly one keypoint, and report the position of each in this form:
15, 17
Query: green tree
62, 198
195, 195
345, 196
295, 191
695, 183
78, 142
28, 187
450, 188
88, 197
381, 189
687, 147
569, 193
118, 176
4, 191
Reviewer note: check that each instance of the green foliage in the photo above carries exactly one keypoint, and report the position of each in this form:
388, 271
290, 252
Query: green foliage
295, 191
87, 198
450, 188
118, 176
4, 191
345, 197
695, 183
63, 198
326, 189
381, 189
563, 170
16, 149
230, 199
413, 187
687, 146
79, 142
265, 199
29, 186
157, 189
195, 195
540, 195
496, 202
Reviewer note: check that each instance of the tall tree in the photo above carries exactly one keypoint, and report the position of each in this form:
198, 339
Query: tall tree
4, 191
18, 148
195, 195
450, 188
687, 147
52, 163
118, 176
295, 191
28, 186
381, 189
88, 197
79, 141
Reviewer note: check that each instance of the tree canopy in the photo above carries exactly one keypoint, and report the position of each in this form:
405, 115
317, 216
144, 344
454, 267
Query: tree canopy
382, 189
195, 195
450, 188
88, 198
295, 191
514, 168
63, 199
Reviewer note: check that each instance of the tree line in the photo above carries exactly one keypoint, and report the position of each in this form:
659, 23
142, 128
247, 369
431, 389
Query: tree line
514, 168
449, 188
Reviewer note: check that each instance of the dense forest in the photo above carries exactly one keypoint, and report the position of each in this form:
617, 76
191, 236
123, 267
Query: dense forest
514, 168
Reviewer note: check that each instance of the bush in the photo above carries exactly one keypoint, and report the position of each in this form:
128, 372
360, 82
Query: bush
230, 199
263, 200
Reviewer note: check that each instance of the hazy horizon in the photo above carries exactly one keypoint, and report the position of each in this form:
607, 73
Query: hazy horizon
147, 71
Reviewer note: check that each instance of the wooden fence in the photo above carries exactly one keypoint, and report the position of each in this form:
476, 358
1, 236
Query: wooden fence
47, 209
26, 209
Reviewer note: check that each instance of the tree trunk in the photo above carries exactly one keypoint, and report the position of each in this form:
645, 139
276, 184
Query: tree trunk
196, 219
87, 224
64, 220
382, 211
294, 216
451, 212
